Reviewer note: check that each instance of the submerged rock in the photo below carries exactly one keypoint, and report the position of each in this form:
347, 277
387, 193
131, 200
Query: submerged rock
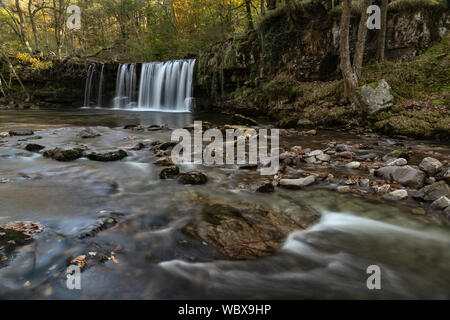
102, 225
107, 156
193, 178
63, 155
247, 234
21, 132
88, 134
405, 175
430, 165
34, 147
139, 146
14, 235
169, 173
266, 187
164, 162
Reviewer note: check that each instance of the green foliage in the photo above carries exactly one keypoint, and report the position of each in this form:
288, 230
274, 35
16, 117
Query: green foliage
282, 87
425, 76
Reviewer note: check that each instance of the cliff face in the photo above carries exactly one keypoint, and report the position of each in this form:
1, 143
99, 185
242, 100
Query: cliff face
303, 43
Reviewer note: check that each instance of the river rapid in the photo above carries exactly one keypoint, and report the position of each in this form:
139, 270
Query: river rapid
153, 256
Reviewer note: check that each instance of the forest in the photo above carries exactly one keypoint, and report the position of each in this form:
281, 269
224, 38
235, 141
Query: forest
123, 30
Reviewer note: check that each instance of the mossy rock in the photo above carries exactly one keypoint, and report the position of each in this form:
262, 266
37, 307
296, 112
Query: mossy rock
9, 241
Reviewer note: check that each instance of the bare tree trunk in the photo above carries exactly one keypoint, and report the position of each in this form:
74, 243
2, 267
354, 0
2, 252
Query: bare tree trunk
33, 27
263, 8
58, 15
15, 74
381, 41
22, 28
248, 9
348, 72
1, 88
361, 44
350, 82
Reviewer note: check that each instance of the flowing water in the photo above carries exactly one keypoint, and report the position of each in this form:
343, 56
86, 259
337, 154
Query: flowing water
162, 87
155, 259
166, 86
88, 86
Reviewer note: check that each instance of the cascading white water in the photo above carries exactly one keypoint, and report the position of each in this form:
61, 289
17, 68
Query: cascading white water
88, 87
91, 86
125, 87
167, 86
100, 87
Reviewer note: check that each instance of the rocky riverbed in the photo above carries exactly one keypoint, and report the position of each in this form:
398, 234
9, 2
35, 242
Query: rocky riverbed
104, 194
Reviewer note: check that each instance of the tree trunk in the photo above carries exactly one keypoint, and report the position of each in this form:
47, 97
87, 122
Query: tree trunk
263, 8
361, 44
344, 47
349, 75
381, 41
16, 75
248, 8
58, 16
33, 27
22, 28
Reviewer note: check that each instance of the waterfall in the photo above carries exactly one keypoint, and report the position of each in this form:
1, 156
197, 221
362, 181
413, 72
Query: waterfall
100, 87
163, 86
166, 86
125, 86
88, 87
91, 86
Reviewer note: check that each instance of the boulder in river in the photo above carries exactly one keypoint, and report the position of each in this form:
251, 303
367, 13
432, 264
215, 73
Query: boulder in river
169, 173
430, 165
88, 133
63, 155
353, 165
164, 162
193, 178
15, 234
4, 134
247, 233
441, 203
397, 195
21, 132
433, 192
444, 174
34, 147
405, 175
297, 183
398, 162
107, 156
266, 187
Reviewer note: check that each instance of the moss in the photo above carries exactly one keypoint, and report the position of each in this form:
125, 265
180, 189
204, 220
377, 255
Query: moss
419, 124
414, 5
282, 87
425, 76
